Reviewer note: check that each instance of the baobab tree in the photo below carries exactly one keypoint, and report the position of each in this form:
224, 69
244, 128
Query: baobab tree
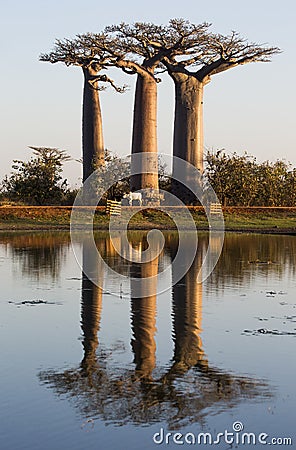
190, 53
75, 53
205, 55
131, 48
126, 45
140, 49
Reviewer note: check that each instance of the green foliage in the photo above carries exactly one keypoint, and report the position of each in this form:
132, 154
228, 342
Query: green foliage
242, 181
164, 175
237, 180
38, 181
112, 179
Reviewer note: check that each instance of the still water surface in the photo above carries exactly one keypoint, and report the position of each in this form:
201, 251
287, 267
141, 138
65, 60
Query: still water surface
88, 367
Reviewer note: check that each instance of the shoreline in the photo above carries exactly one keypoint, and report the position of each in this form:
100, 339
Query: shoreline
25, 228
263, 220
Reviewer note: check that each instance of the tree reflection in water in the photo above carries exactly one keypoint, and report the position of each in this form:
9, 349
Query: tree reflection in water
40, 254
183, 393
247, 254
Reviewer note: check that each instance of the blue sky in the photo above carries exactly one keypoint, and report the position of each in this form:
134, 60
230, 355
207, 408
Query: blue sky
249, 108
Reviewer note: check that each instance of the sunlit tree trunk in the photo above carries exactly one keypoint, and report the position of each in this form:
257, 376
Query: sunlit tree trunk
144, 138
188, 142
188, 122
92, 129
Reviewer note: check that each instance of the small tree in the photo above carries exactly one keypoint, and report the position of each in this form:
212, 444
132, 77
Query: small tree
113, 179
233, 177
38, 181
242, 181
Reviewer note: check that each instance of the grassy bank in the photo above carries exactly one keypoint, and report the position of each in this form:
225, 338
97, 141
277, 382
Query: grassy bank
269, 220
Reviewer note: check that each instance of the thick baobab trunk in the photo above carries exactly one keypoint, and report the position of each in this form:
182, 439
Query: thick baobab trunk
92, 129
188, 127
144, 139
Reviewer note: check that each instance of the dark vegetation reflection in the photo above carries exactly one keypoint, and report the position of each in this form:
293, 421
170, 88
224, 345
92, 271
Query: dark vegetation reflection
246, 256
39, 255
180, 392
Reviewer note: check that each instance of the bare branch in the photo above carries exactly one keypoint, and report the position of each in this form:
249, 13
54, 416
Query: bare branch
232, 51
88, 53
211, 53
145, 49
106, 79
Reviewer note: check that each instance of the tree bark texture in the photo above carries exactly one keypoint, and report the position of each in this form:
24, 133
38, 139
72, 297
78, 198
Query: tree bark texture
188, 139
144, 139
92, 128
